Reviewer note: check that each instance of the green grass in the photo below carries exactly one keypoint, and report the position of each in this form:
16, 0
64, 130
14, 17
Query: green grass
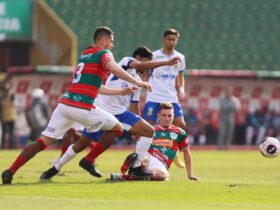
229, 180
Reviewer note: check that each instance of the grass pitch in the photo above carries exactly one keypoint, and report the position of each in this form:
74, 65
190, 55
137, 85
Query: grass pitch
229, 180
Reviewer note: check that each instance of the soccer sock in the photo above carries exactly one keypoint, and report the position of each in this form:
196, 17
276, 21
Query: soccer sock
68, 155
27, 153
102, 145
142, 147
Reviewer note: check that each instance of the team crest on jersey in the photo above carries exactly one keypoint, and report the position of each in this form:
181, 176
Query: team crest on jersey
124, 85
173, 135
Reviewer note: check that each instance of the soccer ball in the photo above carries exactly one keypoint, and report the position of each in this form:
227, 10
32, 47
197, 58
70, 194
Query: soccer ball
270, 147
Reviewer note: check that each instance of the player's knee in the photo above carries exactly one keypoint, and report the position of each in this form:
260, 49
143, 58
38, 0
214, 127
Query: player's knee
160, 175
118, 127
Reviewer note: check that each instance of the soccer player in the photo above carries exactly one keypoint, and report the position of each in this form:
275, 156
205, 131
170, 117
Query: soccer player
167, 83
166, 141
78, 105
117, 105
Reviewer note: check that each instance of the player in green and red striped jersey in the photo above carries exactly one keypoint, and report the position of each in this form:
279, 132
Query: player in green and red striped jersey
167, 140
78, 105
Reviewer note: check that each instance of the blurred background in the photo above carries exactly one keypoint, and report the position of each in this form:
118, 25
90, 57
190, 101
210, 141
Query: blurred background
227, 44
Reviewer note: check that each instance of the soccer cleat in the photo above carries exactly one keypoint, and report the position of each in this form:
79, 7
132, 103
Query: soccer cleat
89, 168
115, 177
128, 162
7, 177
47, 175
138, 172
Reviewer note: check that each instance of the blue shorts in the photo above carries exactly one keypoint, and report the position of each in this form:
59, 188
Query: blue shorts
127, 119
151, 110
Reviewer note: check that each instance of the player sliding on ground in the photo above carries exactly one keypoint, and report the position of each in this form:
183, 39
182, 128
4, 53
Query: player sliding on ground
166, 141
117, 105
77, 103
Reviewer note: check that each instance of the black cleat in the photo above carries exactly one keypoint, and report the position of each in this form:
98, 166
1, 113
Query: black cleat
138, 172
89, 168
128, 162
47, 175
7, 177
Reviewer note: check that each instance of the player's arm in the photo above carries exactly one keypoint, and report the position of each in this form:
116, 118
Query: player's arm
188, 163
110, 91
114, 68
180, 85
152, 64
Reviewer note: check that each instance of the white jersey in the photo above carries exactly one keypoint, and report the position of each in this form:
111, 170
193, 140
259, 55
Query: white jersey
118, 104
163, 78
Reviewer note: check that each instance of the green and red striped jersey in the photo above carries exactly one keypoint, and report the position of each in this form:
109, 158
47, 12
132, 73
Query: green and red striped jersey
87, 78
166, 142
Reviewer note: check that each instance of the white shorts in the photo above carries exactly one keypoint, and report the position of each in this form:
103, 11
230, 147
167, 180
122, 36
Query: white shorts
155, 163
64, 117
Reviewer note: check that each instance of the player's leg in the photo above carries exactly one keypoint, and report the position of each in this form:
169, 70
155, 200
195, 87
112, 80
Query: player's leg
146, 132
56, 128
180, 122
150, 112
94, 120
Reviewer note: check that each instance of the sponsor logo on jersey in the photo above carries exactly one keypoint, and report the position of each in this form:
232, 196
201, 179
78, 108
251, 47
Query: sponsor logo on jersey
52, 130
163, 142
164, 76
77, 98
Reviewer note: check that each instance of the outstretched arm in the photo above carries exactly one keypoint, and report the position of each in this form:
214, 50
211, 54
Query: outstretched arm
114, 68
153, 64
188, 163
110, 91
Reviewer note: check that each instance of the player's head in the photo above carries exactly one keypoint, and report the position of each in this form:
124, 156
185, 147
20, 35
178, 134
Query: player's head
104, 36
166, 114
170, 38
143, 54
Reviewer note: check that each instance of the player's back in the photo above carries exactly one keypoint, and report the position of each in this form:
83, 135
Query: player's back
118, 104
163, 78
87, 78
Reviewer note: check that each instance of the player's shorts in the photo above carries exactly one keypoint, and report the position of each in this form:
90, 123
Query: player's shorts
127, 119
154, 163
151, 110
64, 117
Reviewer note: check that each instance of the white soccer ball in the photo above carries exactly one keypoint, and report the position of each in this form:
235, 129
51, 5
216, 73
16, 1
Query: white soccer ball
270, 147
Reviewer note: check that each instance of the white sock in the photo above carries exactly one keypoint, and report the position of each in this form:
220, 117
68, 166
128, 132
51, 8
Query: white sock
142, 146
68, 155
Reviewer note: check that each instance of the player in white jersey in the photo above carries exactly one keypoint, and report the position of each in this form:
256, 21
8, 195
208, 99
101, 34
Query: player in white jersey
117, 105
167, 83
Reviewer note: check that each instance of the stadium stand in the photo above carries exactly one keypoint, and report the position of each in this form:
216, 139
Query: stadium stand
213, 34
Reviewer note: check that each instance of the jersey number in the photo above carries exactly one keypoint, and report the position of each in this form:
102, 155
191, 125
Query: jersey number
78, 73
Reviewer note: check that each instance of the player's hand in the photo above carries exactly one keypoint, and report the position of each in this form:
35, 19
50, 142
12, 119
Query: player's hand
173, 61
194, 178
145, 85
128, 90
181, 94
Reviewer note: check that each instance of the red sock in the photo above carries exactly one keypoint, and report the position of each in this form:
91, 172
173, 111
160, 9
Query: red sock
102, 145
27, 153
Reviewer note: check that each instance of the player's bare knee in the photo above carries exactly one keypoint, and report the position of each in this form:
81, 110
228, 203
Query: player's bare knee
118, 127
159, 175
47, 140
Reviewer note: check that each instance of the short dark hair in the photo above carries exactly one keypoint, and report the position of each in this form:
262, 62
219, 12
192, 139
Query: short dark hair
143, 52
165, 105
171, 31
102, 31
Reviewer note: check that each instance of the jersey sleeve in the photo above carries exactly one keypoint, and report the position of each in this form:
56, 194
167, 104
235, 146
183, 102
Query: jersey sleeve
183, 64
105, 57
184, 143
125, 62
